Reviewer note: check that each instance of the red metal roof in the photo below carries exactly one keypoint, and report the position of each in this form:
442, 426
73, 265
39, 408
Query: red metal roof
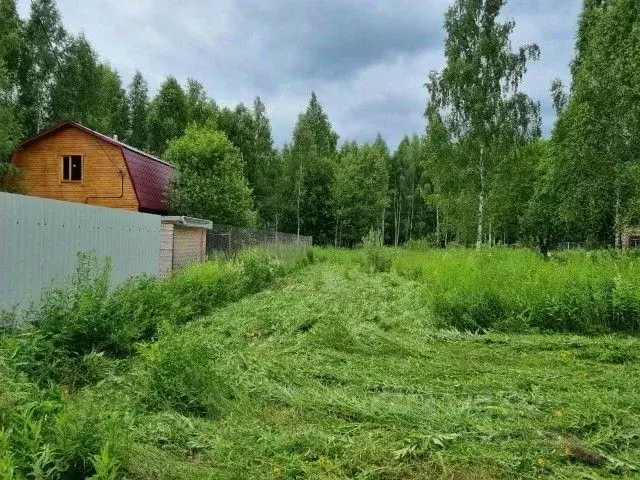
150, 179
150, 175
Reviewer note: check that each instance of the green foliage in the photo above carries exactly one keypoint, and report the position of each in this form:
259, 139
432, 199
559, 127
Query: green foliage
10, 178
138, 100
595, 169
586, 293
340, 373
10, 38
88, 92
201, 110
209, 182
259, 269
71, 317
308, 168
376, 257
250, 131
105, 465
360, 192
10, 44
476, 98
73, 95
168, 115
411, 176
189, 375
43, 46
46, 434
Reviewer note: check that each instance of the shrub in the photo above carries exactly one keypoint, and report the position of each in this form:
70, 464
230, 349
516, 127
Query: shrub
199, 288
259, 269
477, 313
421, 245
134, 310
72, 327
72, 317
376, 257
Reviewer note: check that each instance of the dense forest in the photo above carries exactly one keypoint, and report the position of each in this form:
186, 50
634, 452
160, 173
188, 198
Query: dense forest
481, 173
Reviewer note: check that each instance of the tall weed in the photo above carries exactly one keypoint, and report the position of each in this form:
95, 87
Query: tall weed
375, 257
515, 290
189, 373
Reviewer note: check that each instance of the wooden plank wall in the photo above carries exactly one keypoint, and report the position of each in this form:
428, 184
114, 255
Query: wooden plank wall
41, 164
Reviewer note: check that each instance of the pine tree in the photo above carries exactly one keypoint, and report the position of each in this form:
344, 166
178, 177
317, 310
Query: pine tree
138, 99
309, 165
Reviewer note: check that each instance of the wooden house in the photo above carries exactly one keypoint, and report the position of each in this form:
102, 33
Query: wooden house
74, 163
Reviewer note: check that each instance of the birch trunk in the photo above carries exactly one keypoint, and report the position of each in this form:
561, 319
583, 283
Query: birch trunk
490, 234
437, 226
618, 220
481, 199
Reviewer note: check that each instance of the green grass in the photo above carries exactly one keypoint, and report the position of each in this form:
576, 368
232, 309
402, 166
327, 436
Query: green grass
334, 372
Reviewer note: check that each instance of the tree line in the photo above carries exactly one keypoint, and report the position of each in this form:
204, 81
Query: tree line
480, 173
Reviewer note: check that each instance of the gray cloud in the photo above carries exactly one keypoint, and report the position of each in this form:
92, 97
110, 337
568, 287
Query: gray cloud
366, 59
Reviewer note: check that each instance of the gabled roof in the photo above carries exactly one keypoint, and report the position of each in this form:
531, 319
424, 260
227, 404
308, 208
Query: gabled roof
150, 175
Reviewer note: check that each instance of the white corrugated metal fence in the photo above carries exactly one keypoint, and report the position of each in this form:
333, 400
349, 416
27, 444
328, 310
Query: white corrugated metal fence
40, 240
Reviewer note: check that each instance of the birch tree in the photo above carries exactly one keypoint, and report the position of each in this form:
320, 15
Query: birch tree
598, 132
478, 94
10, 127
44, 43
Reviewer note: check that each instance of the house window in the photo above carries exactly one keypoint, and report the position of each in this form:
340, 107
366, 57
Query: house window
72, 168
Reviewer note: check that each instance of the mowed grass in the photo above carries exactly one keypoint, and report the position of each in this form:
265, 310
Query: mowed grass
335, 373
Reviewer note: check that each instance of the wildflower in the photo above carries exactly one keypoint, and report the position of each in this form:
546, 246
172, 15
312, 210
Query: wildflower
542, 462
558, 413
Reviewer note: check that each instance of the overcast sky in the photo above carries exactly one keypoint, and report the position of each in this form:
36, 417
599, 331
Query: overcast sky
366, 59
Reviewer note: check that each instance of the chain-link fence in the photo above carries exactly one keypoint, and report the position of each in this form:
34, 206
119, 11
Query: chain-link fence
230, 240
